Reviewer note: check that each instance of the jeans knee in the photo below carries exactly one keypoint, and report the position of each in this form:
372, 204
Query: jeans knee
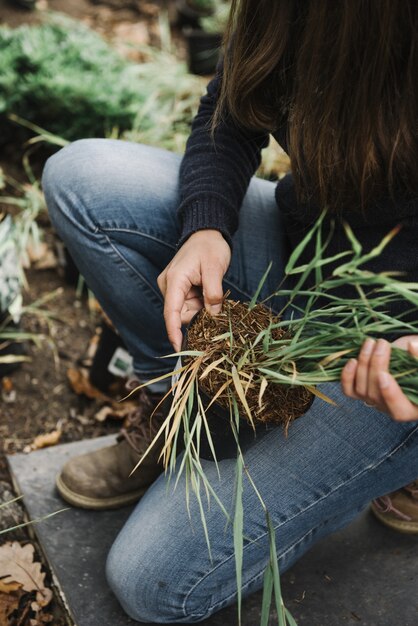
72, 166
148, 590
70, 182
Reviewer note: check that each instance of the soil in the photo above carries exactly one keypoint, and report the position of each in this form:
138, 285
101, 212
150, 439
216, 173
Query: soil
236, 329
37, 398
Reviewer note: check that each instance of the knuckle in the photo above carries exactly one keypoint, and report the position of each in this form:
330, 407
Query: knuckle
359, 392
170, 272
213, 297
363, 358
400, 416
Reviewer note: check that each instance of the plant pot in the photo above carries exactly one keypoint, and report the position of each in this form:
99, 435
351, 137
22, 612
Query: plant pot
203, 51
187, 15
110, 361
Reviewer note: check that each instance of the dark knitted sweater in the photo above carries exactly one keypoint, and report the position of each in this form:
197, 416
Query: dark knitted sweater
214, 177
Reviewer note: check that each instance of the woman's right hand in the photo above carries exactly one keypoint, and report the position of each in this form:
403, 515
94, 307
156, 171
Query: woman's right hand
193, 280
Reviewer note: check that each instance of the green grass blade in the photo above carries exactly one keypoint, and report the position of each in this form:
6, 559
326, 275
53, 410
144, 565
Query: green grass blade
30, 522
238, 532
260, 285
267, 595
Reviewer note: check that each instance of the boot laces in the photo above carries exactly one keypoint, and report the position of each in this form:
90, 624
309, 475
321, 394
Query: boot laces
384, 504
142, 424
412, 489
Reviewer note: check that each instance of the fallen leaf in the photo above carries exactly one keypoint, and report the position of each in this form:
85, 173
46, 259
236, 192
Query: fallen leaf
17, 565
9, 602
9, 587
41, 256
119, 411
44, 441
6, 384
42, 618
82, 386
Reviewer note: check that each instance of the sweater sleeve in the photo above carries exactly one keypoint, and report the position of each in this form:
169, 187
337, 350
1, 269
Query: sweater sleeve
215, 172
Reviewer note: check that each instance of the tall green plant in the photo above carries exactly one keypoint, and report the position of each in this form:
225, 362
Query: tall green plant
319, 340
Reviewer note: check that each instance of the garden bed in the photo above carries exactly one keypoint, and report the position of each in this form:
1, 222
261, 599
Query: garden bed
37, 399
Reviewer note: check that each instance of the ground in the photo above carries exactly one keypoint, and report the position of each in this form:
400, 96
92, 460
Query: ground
37, 399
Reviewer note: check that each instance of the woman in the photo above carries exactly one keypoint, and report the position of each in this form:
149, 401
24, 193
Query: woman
335, 82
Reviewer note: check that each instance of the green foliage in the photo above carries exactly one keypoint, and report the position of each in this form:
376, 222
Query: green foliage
64, 77
216, 22
323, 336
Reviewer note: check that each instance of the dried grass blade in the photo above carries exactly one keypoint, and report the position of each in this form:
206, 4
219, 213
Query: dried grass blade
3, 504
334, 357
147, 451
321, 395
208, 434
263, 387
212, 366
218, 393
30, 522
240, 391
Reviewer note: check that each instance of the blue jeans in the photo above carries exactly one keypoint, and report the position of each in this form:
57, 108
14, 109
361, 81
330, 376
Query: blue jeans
114, 204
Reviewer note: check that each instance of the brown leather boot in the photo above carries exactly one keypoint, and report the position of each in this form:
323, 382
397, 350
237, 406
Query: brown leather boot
399, 509
101, 479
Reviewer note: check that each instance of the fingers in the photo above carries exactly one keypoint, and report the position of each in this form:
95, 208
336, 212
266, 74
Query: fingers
175, 295
362, 374
212, 288
368, 379
400, 408
413, 347
198, 266
379, 362
360, 378
191, 306
348, 378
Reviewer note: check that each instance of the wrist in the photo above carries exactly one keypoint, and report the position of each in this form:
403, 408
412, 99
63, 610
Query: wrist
204, 233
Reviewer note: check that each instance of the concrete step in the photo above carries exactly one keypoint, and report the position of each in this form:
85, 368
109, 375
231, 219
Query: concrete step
365, 574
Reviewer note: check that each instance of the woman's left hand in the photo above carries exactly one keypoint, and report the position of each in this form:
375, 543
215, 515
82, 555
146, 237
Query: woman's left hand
367, 378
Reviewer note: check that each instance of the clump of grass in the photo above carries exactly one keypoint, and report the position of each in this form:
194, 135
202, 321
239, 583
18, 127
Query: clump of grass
302, 348
232, 355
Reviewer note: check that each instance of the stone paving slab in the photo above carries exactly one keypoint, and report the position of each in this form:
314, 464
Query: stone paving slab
366, 574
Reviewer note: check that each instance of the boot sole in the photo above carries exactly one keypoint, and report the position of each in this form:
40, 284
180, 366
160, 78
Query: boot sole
409, 528
96, 504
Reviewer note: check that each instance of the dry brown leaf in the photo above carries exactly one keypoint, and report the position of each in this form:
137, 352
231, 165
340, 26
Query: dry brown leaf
9, 587
6, 384
17, 565
42, 618
9, 602
115, 411
44, 441
82, 386
41, 256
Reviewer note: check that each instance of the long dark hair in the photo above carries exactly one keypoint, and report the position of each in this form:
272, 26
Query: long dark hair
345, 75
